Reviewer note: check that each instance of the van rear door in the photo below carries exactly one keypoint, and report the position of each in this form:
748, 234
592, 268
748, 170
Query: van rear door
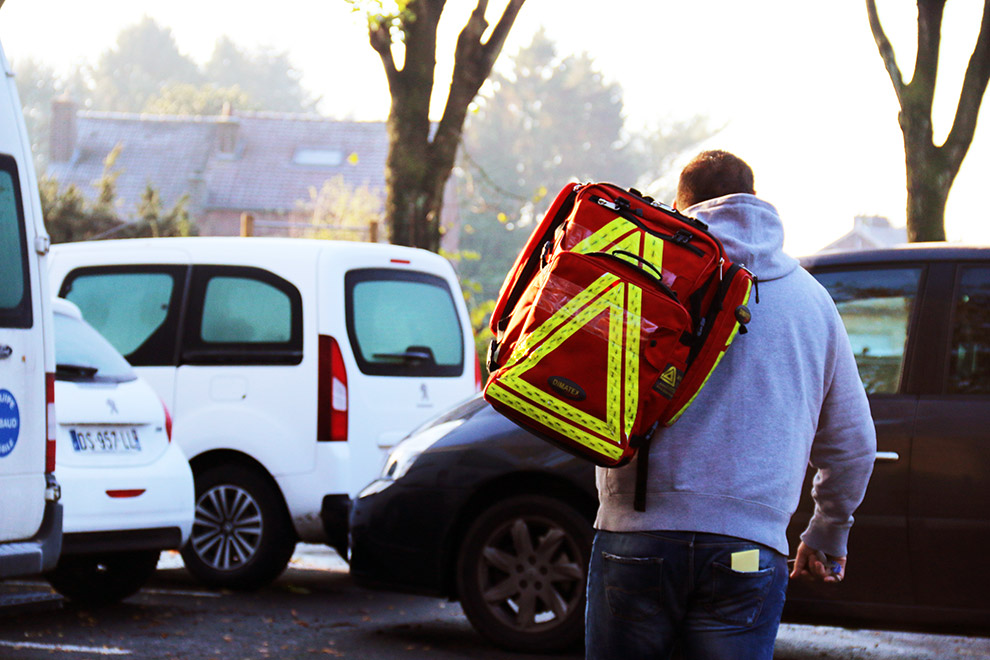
407, 344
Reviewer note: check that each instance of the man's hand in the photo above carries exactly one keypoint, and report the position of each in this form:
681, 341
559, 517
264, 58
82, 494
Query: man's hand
811, 564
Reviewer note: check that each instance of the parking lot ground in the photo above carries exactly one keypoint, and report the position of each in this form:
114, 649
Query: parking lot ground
314, 611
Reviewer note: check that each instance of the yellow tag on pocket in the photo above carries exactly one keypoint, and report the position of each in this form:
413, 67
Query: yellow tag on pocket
747, 561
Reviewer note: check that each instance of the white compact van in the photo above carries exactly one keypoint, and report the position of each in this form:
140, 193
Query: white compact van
30, 514
290, 366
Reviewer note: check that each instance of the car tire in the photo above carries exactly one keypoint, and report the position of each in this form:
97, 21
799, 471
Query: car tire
97, 580
521, 573
242, 537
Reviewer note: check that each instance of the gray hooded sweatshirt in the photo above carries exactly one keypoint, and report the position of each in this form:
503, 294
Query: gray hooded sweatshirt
786, 393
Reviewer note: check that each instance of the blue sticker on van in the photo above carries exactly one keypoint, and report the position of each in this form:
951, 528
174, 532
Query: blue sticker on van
10, 422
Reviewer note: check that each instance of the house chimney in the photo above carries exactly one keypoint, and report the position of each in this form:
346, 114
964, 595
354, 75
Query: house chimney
227, 130
62, 141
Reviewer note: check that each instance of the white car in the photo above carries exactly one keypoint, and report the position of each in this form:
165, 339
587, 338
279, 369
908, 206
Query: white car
127, 489
291, 367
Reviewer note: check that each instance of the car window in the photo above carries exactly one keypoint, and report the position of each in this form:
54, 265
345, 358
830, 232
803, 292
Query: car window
15, 298
969, 360
83, 355
134, 307
242, 310
876, 306
242, 315
403, 323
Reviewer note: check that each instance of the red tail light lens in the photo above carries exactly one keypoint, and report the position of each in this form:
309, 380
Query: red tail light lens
331, 418
168, 421
50, 422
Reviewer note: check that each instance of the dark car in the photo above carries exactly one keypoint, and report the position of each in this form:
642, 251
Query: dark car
473, 508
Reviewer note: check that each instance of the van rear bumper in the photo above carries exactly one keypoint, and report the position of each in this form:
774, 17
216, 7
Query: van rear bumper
38, 554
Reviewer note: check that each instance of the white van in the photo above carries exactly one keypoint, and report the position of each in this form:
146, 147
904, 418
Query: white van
290, 367
30, 513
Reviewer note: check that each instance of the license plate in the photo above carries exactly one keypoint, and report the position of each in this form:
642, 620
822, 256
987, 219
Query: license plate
120, 441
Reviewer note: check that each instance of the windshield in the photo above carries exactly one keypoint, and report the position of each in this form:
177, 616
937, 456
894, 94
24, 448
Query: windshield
83, 355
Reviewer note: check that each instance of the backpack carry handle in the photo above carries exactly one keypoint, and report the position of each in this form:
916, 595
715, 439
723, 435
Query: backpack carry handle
640, 261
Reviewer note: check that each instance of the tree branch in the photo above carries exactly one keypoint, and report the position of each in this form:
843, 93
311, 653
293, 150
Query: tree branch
495, 42
886, 51
381, 41
971, 96
473, 62
926, 62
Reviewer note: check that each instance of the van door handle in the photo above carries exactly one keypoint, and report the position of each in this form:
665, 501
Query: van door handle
5, 351
887, 457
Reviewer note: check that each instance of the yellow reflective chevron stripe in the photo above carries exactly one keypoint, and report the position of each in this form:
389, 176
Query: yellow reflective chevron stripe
732, 335
555, 423
620, 234
633, 323
691, 400
608, 236
562, 316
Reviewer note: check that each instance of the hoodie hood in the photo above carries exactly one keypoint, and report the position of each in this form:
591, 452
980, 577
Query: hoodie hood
751, 231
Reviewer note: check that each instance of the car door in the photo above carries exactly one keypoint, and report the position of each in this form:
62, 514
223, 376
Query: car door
879, 306
949, 523
241, 381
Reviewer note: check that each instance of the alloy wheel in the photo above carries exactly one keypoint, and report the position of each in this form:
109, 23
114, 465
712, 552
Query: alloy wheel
227, 529
529, 574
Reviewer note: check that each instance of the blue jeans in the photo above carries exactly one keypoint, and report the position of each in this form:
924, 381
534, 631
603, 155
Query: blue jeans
652, 592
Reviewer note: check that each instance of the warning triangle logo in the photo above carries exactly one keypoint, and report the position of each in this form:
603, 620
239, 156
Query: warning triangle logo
668, 381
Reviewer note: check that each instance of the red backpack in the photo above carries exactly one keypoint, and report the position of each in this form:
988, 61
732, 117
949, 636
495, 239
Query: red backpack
615, 314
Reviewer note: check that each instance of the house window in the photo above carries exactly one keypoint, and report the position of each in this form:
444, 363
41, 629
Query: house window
309, 157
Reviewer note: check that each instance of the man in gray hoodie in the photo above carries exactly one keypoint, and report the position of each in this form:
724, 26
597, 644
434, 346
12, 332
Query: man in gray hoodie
705, 566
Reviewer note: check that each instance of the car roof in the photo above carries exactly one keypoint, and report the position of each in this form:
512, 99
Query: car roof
210, 245
903, 253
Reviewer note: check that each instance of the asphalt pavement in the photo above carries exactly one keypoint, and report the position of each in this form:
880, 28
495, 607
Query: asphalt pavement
315, 610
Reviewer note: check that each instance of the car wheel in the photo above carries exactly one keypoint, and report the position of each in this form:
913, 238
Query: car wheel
521, 574
95, 580
241, 537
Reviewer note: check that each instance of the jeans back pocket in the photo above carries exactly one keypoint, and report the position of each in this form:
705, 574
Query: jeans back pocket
738, 597
633, 586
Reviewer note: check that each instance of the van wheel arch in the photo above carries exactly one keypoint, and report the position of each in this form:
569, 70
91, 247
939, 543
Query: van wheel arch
233, 475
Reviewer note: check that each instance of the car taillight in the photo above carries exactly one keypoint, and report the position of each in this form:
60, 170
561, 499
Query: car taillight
50, 422
331, 417
168, 421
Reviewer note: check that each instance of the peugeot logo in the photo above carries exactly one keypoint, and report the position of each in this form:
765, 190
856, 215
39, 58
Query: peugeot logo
113, 406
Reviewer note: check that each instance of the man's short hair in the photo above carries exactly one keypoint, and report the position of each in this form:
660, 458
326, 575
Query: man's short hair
713, 174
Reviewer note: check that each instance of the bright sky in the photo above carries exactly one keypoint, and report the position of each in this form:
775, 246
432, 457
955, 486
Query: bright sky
799, 86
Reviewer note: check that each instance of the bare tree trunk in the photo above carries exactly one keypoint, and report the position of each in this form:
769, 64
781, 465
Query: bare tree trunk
419, 163
931, 169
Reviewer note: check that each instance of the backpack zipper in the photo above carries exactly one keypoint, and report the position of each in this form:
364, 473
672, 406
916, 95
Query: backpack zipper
682, 237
